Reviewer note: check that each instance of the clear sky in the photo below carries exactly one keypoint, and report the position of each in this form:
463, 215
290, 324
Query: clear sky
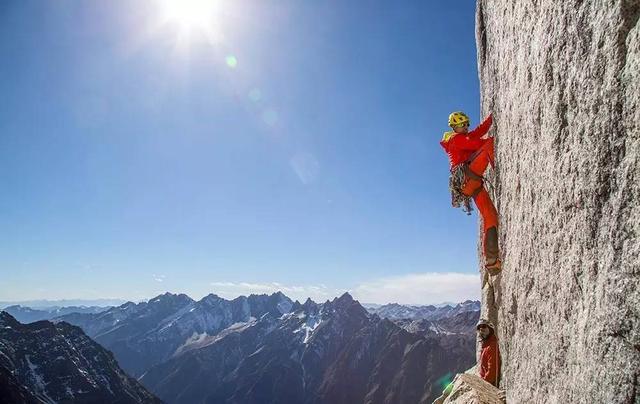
247, 147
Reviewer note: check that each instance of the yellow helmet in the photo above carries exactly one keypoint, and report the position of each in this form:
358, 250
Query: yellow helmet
458, 118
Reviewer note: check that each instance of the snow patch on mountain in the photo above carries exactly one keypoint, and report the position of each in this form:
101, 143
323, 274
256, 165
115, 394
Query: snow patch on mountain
38, 381
201, 340
308, 326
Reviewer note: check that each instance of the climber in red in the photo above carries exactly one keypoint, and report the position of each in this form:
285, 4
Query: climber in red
489, 366
469, 154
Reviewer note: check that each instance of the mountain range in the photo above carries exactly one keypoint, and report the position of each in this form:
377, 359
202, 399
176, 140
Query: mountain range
431, 312
144, 334
26, 314
252, 349
334, 352
267, 348
48, 304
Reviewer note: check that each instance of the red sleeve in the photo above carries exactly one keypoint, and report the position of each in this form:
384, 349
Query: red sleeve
466, 143
482, 129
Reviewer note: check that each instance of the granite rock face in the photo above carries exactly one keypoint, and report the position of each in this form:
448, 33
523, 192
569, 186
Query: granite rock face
562, 79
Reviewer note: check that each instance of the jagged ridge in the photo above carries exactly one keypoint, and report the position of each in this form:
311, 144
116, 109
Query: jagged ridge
46, 362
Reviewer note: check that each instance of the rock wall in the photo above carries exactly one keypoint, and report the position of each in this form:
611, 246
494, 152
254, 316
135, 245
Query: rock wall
563, 81
471, 389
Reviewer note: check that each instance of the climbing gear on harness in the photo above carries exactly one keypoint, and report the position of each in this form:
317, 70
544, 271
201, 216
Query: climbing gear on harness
457, 180
458, 118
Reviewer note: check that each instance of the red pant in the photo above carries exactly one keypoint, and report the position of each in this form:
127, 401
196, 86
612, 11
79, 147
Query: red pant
473, 187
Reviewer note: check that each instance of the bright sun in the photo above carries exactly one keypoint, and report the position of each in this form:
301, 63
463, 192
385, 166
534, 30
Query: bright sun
191, 14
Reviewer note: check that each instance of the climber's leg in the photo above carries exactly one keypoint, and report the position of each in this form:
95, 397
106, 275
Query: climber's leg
487, 210
474, 188
490, 227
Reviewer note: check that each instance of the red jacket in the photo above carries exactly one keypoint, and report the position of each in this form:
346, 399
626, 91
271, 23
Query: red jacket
460, 146
490, 360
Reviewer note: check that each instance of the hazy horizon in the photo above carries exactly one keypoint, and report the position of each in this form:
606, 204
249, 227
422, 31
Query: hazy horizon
108, 302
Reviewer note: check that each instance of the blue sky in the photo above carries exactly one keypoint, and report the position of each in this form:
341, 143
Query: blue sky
285, 145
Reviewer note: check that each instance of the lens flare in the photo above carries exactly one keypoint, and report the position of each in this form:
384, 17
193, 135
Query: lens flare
445, 382
231, 61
